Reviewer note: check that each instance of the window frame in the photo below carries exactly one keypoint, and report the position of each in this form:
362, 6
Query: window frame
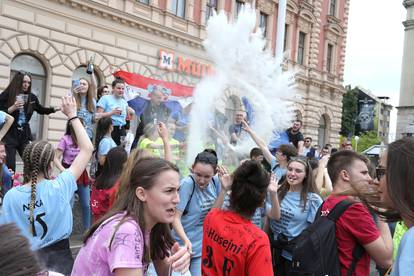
175, 8
300, 57
329, 58
263, 21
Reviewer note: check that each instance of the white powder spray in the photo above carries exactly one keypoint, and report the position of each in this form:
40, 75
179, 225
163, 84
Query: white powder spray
240, 63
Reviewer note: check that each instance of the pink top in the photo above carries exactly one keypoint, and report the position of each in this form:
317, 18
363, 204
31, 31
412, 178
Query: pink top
127, 249
70, 150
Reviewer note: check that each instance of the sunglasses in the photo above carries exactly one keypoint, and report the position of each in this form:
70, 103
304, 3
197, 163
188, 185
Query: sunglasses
380, 172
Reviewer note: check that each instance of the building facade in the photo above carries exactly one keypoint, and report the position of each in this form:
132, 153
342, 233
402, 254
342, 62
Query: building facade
54, 39
405, 115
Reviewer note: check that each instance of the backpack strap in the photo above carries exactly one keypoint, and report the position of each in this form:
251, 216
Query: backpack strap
339, 209
356, 256
185, 212
359, 250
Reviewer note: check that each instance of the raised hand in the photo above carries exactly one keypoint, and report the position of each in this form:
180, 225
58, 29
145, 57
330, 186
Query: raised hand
245, 126
162, 130
180, 258
68, 106
273, 184
225, 178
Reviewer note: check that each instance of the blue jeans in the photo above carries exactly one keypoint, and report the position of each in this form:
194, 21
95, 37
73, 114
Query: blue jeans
84, 193
195, 266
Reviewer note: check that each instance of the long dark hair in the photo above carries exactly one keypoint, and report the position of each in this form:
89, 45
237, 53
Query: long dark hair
69, 131
102, 128
16, 257
399, 176
112, 168
308, 184
249, 187
15, 87
140, 173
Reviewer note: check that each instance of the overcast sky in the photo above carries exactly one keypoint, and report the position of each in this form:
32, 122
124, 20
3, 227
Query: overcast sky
374, 48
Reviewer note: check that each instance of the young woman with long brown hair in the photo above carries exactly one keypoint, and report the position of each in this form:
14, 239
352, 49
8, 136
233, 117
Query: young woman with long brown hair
299, 202
18, 101
136, 230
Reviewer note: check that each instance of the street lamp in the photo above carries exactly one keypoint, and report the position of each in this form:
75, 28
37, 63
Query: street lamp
356, 142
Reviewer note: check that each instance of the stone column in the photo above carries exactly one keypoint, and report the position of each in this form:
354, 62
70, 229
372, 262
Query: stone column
406, 105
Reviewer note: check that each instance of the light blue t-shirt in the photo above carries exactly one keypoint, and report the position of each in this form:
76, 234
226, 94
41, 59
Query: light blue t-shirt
198, 207
404, 263
52, 213
105, 145
257, 217
276, 169
109, 103
2, 117
293, 218
87, 116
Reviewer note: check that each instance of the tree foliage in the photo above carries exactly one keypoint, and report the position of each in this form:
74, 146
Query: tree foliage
366, 140
349, 112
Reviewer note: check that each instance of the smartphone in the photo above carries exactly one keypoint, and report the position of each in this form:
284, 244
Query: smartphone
155, 121
75, 84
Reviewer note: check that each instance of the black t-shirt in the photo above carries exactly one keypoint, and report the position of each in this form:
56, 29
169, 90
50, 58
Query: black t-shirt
294, 138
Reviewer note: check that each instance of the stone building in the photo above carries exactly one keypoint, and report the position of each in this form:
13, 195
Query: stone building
405, 115
53, 39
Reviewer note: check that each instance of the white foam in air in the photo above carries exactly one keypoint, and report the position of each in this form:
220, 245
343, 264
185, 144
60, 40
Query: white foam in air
236, 50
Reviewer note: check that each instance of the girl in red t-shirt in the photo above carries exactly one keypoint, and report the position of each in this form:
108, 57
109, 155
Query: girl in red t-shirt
107, 182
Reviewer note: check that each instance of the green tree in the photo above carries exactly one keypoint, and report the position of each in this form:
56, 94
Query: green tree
366, 140
349, 112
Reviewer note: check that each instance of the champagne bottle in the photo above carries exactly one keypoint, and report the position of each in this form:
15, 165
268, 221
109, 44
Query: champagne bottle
89, 68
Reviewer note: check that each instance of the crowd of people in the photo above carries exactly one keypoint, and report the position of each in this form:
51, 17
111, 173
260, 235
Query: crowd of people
289, 208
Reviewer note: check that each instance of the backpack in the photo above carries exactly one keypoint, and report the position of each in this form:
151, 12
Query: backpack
315, 250
185, 212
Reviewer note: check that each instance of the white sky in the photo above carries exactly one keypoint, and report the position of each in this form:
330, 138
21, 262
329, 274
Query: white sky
374, 48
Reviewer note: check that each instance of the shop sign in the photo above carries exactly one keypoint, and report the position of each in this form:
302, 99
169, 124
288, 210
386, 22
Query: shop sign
188, 66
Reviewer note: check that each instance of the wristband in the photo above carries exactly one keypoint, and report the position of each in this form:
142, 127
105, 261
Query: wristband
73, 118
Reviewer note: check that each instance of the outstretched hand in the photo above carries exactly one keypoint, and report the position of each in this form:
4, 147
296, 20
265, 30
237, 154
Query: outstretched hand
245, 126
273, 184
225, 178
162, 131
180, 258
68, 106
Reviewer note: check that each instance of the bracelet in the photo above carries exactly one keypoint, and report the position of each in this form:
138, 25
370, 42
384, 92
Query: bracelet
73, 118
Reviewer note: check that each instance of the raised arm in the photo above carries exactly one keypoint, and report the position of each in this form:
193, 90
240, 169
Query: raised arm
274, 212
259, 142
85, 145
7, 124
57, 160
163, 133
225, 181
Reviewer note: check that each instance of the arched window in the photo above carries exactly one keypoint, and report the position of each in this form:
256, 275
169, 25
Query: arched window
34, 66
323, 131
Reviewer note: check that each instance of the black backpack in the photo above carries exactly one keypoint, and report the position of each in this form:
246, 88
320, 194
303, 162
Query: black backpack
315, 250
